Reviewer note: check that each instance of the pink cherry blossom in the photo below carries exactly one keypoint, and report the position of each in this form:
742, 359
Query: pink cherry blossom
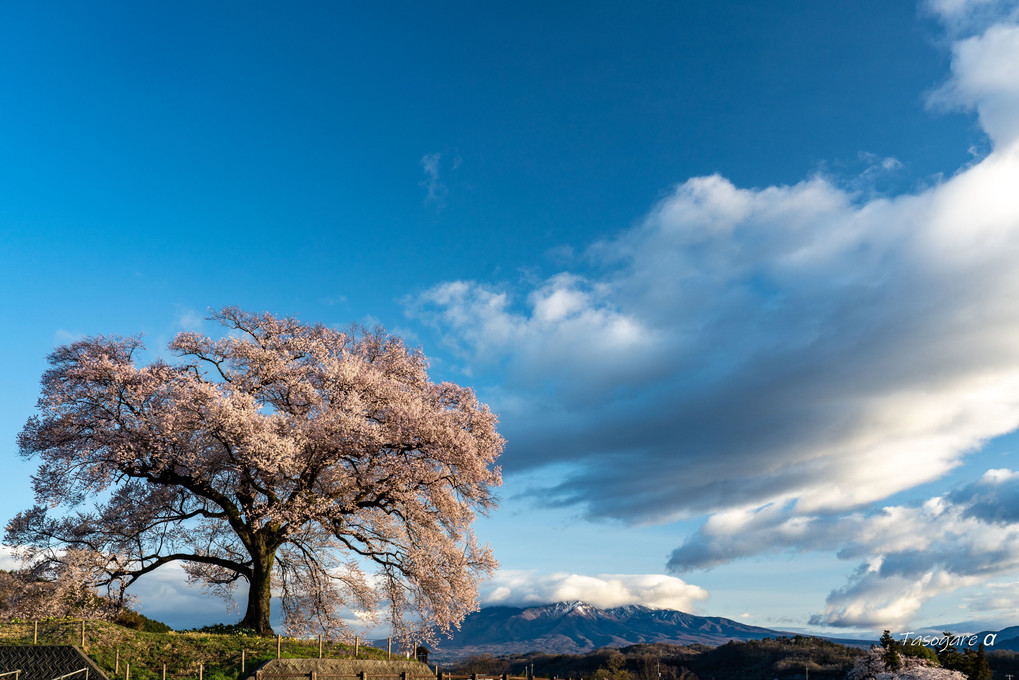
320, 466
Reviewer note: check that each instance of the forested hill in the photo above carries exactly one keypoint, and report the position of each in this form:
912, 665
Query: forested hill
782, 658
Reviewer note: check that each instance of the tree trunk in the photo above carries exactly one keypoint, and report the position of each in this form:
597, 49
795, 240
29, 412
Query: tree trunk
256, 616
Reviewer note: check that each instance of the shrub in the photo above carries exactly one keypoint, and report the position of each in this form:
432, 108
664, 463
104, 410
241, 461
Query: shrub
134, 620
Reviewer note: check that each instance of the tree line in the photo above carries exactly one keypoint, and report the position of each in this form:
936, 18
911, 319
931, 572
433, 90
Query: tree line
973, 663
785, 658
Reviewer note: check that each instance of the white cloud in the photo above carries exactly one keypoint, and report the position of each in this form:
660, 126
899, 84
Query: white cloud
953, 9
965, 17
910, 554
787, 357
789, 343
8, 561
785, 344
999, 599
436, 190
166, 595
985, 78
541, 341
523, 588
189, 319
64, 337
872, 601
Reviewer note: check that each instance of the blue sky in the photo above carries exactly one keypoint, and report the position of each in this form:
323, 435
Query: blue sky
737, 276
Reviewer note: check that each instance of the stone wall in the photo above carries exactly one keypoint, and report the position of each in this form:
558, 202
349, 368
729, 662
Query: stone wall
345, 667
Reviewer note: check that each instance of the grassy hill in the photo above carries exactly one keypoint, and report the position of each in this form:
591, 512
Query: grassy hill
113, 646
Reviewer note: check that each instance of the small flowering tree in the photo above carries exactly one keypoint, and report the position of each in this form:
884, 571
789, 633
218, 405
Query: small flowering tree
320, 464
874, 666
51, 589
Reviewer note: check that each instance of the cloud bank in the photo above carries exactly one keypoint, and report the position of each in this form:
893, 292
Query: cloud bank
785, 357
908, 554
524, 588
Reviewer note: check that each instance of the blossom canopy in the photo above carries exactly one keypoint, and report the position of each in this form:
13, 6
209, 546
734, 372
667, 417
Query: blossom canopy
319, 465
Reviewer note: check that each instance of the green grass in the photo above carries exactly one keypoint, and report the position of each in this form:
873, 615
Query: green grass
182, 652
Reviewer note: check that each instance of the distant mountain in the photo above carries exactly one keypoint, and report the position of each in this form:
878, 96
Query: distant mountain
1008, 638
576, 627
1005, 639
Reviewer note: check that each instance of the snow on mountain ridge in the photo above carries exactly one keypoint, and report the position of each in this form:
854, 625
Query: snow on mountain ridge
575, 626
579, 607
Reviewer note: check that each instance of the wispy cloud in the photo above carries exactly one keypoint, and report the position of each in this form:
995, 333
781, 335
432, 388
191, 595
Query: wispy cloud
189, 319
435, 188
966, 17
63, 337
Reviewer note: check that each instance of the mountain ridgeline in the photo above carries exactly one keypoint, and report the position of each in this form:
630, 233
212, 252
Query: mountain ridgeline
577, 640
576, 627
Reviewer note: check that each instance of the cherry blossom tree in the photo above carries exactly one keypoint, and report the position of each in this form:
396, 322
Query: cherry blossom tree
61, 588
317, 465
874, 666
